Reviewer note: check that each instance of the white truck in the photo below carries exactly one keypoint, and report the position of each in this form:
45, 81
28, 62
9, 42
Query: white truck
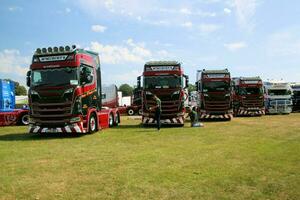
278, 97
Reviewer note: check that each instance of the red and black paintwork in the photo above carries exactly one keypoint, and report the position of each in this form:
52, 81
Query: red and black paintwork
172, 105
214, 104
248, 104
54, 110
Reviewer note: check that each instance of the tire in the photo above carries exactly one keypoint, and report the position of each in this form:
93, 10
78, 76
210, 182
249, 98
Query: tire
140, 111
117, 120
24, 119
130, 112
111, 120
92, 123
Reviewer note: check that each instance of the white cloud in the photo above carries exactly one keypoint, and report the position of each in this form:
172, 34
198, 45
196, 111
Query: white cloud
227, 11
245, 11
235, 46
187, 24
185, 11
98, 28
126, 77
284, 43
11, 62
117, 7
15, 8
130, 52
209, 28
68, 10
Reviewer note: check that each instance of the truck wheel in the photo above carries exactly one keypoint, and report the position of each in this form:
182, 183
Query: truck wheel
92, 124
24, 119
130, 112
140, 111
117, 121
111, 120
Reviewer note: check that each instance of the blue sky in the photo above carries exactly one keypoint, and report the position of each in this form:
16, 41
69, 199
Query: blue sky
249, 37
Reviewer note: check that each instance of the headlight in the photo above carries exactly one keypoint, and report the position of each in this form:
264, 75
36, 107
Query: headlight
33, 92
227, 95
206, 95
70, 90
148, 93
176, 92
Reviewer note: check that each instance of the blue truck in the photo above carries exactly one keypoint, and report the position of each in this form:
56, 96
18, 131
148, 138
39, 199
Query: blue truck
9, 115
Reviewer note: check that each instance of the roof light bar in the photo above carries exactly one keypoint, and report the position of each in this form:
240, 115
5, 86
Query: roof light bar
55, 50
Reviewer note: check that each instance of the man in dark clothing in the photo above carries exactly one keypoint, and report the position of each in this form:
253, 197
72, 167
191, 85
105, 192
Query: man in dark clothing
157, 111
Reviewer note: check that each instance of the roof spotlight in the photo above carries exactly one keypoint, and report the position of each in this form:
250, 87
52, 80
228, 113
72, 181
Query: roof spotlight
38, 51
67, 48
44, 50
50, 50
61, 49
55, 49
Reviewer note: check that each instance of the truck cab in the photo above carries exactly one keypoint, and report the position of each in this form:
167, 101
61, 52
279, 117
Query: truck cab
296, 97
215, 94
278, 97
166, 80
65, 91
248, 99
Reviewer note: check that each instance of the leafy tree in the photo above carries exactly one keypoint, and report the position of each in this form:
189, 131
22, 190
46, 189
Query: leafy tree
126, 89
191, 87
19, 89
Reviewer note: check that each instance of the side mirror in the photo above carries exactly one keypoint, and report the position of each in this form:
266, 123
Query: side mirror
186, 81
138, 82
28, 78
103, 96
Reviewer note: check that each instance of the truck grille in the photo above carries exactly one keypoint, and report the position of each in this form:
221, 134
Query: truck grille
169, 108
51, 113
217, 106
252, 103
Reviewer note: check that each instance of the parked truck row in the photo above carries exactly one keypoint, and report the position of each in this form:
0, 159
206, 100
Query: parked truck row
66, 94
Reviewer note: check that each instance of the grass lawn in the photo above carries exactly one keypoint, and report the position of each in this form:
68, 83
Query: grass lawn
247, 158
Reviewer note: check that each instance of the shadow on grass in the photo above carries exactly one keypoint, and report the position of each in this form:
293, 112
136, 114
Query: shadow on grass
28, 136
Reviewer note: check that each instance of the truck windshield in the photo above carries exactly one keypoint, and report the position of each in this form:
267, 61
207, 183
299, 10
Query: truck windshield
215, 86
54, 77
279, 92
249, 91
155, 82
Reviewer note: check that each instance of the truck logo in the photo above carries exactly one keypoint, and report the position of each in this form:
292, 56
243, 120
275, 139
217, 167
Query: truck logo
162, 68
53, 58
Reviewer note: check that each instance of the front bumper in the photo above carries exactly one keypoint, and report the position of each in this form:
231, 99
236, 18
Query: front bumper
280, 110
174, 121
70, 128
250, 111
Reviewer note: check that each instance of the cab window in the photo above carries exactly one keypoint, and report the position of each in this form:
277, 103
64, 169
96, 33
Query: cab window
86, 74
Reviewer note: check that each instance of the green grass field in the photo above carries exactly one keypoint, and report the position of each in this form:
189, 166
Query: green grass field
247, 158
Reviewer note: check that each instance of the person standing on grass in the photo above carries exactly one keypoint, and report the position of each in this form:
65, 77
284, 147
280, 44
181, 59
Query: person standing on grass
157, 111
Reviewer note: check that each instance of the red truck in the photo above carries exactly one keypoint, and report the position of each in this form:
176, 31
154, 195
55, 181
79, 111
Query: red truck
166, 80
215, 94
65, 93
248, 99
